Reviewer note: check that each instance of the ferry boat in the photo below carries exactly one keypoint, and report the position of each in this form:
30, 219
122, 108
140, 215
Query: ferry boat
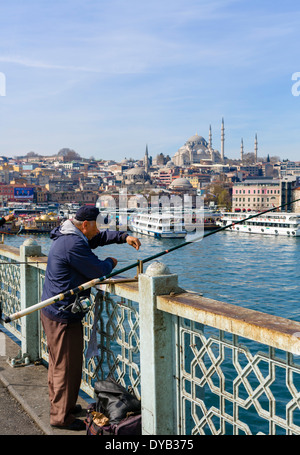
203, 216
272, 223
42, 224
157, 225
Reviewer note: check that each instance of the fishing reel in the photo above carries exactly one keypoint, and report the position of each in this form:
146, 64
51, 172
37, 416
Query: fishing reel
81, 305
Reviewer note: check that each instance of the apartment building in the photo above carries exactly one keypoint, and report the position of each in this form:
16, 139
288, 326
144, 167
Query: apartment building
256, 194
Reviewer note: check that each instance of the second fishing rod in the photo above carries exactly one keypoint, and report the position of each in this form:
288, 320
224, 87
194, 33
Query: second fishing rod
100, 280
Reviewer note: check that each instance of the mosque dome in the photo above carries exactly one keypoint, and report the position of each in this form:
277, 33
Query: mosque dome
138, 171
197, 140
169, 165
181, 183
137, 174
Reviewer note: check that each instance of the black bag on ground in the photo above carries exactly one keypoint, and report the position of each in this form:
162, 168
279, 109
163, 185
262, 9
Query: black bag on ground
114, 401
131, 425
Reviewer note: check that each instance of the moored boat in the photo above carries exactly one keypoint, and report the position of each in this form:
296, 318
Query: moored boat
157, 225
31, 225
272, 223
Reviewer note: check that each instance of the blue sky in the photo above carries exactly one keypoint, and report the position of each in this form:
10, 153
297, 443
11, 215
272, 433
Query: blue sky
107, 77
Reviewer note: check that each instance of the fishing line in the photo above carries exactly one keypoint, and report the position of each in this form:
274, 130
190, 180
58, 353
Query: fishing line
98, 281
31, 262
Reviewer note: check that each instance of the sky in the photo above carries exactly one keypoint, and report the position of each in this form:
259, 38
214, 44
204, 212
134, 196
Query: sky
108, 77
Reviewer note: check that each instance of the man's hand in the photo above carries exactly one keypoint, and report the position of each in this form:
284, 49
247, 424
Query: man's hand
9, 217
133, 241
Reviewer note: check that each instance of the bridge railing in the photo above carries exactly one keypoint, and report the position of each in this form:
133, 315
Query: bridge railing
200, 366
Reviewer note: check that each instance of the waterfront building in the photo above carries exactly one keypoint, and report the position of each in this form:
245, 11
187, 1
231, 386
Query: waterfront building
164, 176
250, 169
17, 193
79, 197
256, 194
289, 168
263, 193
296, 196
288, 183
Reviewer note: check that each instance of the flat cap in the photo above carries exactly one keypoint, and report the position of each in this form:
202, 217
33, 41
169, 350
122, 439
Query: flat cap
87, 213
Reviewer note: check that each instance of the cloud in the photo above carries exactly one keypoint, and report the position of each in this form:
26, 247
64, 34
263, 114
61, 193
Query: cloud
27, 62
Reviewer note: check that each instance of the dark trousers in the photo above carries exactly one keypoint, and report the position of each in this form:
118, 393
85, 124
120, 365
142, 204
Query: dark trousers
65, 347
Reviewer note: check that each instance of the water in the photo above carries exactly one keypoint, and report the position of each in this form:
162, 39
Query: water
253, 271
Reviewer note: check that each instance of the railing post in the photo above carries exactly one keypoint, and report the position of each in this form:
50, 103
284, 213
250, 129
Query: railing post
29, 296
156, 352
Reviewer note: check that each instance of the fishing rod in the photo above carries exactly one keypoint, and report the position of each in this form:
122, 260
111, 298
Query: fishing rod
100, 280
35, 263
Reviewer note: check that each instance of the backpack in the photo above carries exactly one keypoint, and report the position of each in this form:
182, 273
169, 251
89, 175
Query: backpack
117, 410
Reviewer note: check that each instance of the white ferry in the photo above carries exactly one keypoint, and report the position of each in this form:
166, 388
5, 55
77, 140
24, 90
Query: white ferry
157, 225
273, 223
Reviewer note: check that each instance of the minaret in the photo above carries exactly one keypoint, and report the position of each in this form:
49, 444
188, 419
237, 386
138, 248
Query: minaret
242, 150
210, 149
255, 148
146, 160
222, 140
209, 139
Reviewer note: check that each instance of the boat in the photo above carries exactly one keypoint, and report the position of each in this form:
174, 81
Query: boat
40, 225
23, 225
158, 225
199, 218
276, 223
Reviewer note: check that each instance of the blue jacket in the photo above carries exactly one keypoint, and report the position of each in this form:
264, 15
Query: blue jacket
71, 262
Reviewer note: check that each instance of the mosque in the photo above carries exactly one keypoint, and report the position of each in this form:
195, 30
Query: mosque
197, 150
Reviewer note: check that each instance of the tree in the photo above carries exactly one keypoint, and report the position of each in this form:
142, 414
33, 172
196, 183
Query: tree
219, 194
69, 154
31, 154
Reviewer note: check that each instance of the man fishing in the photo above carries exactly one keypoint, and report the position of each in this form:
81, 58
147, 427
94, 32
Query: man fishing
71, 263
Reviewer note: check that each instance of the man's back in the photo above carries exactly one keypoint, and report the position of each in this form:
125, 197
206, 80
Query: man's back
71, 262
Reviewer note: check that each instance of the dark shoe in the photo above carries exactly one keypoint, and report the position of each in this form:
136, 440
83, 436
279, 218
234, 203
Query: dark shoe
77, 409
76, 425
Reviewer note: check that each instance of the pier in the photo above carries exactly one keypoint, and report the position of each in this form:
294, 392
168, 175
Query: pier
199, 366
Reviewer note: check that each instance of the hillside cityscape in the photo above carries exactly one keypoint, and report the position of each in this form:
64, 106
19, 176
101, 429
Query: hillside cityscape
252, 182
